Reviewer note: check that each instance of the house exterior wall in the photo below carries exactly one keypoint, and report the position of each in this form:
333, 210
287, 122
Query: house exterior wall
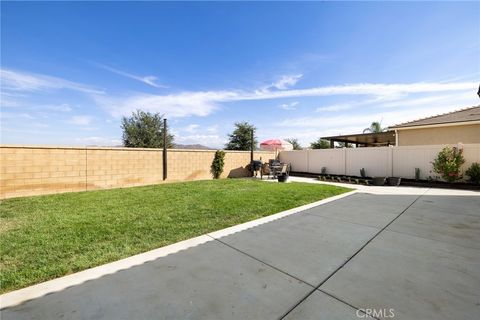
439, 135
31, 170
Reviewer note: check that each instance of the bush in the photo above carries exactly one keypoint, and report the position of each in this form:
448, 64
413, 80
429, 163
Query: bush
474, 172
217, 164
448, 163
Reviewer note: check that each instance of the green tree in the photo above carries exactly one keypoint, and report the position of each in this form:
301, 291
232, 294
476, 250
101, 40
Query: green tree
241, 137
296, 145
217, 164
144, 130
320, 144
375, 127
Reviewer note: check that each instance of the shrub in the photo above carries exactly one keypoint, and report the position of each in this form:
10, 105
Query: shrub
448, 162
217, 164
474, 172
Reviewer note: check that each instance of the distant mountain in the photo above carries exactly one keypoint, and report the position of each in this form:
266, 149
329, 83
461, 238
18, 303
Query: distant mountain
192, 146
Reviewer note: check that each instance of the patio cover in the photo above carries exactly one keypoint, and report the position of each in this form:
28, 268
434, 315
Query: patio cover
366, 139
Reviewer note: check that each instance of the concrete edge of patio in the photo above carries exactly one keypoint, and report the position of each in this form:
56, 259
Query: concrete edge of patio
17, 297
392, 190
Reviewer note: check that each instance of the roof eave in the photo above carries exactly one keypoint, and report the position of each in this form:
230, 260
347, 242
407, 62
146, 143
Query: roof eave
435, 125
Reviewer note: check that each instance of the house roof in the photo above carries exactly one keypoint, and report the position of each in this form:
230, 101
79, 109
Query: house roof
463, 115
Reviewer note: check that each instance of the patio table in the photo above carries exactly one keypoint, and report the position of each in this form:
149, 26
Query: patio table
276, 169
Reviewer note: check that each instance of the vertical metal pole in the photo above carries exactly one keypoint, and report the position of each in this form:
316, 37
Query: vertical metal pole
251, 150
165, 149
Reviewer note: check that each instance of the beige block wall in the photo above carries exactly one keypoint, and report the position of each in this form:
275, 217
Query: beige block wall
439, 135
113, 168
30, 171
27, 171
195, 165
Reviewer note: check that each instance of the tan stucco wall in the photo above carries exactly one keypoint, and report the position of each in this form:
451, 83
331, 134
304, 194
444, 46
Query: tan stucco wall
31, 170
439, 135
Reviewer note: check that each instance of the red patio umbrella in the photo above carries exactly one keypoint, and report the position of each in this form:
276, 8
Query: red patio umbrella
276, 145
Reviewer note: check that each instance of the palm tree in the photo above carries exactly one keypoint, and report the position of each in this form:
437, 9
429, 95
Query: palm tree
375, 127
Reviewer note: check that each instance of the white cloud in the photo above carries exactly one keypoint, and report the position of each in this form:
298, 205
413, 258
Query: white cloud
355, 104
196, 134
191, 128
212, 129
203, 103
41, 125
453, 99
149, 80
334, 108
288, 106
340, 121
15, 115
211, 140
374, 89
10, 99
25, 81
64, 107
286, 81
80, 120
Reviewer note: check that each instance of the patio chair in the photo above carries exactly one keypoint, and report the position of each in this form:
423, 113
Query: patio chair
283, 173
284, 169
265, 171
275, 167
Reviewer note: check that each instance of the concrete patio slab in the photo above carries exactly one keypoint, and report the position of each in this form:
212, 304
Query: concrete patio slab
417, 277
443, 219
424, 265
320, 306
210, 281
450, 204
18, 296
304, 246
367, 209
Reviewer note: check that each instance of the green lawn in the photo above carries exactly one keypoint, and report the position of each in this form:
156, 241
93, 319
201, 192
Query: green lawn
46, 237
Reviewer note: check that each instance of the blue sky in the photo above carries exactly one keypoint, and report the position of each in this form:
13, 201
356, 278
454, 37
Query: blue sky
70, 71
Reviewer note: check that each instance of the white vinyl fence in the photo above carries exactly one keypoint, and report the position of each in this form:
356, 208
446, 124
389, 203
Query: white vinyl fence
381, 162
